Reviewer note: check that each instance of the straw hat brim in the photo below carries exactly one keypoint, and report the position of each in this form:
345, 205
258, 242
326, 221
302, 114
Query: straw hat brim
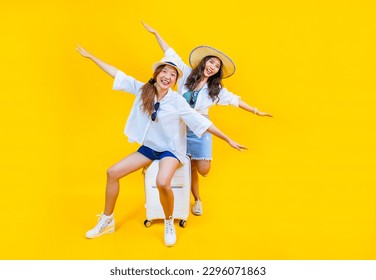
200, 52
170, 63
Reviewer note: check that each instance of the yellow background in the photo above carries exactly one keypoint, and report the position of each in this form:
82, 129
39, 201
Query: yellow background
305, 189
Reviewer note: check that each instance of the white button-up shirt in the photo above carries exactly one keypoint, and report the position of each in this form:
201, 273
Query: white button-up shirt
168, 131
204, 101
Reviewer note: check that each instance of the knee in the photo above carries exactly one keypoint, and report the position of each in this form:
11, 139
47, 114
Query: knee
112, 173
204, 172
204, 169
163, 184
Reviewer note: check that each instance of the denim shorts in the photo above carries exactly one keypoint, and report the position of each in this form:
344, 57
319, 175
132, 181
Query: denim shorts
154, 155
199, 148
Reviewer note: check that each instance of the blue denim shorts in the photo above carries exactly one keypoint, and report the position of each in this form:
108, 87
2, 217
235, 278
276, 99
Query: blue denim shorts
154, 155
199, 148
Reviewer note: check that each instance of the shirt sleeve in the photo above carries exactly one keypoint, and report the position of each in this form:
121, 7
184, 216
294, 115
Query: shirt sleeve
194, 120
126, 83
228, 98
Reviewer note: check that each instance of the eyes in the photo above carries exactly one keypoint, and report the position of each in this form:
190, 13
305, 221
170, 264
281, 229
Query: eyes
169, 71
214, 63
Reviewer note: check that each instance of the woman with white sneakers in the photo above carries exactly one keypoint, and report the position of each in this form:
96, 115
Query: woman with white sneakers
157, 122
202, 88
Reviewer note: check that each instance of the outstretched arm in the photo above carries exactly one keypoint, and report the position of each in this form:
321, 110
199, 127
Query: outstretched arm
162, 43
216, 132
253, 110
109, 69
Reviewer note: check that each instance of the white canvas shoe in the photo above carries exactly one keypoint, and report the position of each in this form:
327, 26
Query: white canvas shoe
197, 208
170, 234
105, 225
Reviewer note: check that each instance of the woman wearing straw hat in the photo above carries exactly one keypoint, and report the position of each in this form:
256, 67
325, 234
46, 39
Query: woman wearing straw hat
156, 123
202, 87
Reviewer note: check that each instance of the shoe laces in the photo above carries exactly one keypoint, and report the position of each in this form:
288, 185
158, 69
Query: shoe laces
197, 204
102, 221
169, 226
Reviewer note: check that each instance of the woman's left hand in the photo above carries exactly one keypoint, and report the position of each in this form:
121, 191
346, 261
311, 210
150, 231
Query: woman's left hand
82, 51
263, 114
237, 145
148, 28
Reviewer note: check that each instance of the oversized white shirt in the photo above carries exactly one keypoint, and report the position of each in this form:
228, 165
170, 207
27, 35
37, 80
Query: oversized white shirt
204, 101
168, 131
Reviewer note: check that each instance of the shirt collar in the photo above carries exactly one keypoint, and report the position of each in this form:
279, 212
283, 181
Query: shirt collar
166, 97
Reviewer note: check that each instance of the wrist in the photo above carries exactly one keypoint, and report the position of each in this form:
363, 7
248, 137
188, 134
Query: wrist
255, 111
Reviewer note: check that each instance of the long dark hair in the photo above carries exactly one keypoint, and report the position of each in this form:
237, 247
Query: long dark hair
149, 91
214, 82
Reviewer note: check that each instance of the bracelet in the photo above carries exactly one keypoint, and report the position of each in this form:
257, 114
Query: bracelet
255, 111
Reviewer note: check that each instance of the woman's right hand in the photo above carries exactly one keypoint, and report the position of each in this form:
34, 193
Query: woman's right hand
109, 69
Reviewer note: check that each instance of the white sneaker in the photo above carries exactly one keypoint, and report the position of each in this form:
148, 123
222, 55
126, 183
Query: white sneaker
197, 208
170, 234
106, 224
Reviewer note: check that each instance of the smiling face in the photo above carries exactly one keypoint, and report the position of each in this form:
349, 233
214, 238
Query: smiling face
212, 66
167, 77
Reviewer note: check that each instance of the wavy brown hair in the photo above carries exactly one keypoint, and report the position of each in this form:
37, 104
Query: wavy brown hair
149, 91
214, 82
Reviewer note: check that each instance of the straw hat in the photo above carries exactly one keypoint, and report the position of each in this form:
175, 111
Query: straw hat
200, 52
168, 61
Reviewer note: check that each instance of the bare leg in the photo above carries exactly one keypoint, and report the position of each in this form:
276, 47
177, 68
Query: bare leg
198, 167
131, 163
167, 168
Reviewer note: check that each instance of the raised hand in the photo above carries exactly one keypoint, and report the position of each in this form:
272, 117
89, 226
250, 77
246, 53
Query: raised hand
162, 43
237, 145
83, 52
263, 114
109, 69
148, 28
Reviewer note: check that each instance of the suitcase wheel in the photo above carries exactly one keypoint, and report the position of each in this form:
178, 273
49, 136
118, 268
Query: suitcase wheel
147, 223
183, 223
